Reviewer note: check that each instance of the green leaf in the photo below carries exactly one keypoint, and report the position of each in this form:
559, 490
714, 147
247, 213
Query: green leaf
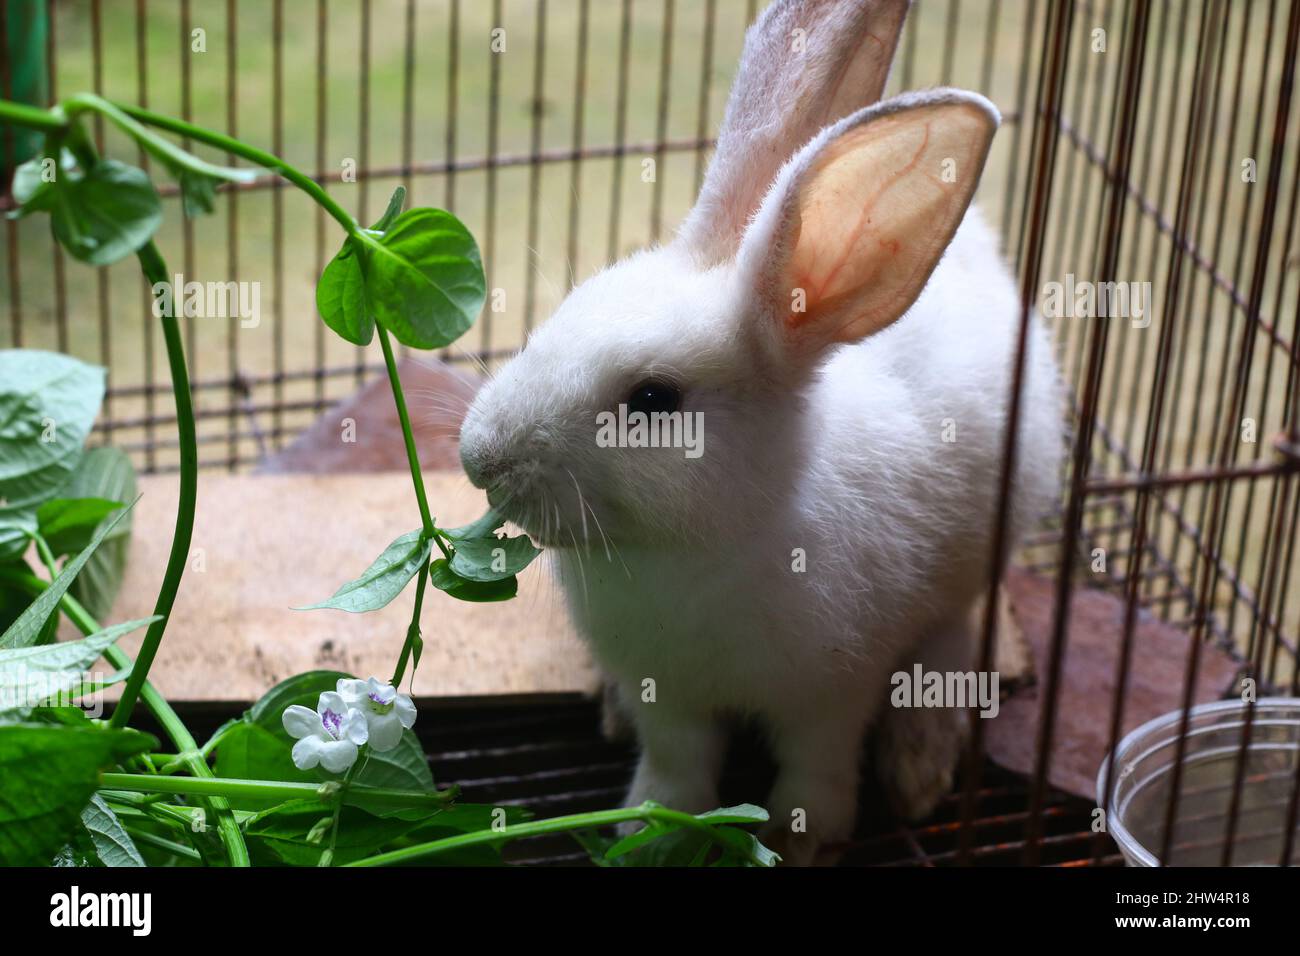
47, 776
284, 831
28, 182
662, 843
32, 191
741, 813
424, 279
113, 846
105, 214
79, 852
16, 529
482, 556
68, 524
669, 847
24, 631
341, 297
391, 212
383, 580
251, 752
442, 577
651, 831
484, 527
48, 403
405, 767
741, 845
198, 193
303, 689
596, 844
341, 291
62, 716
104, 473
30, 675
492, 559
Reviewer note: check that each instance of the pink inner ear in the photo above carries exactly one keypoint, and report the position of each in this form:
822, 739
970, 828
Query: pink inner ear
861, 248
875, 214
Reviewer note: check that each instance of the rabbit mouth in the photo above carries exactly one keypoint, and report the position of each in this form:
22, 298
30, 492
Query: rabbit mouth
545, 517
528, 515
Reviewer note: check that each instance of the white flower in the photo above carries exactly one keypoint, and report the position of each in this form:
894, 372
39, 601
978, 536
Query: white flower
329, 737
387, 712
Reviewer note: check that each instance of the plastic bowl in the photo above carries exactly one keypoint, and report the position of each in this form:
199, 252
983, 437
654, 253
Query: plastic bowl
1144, 762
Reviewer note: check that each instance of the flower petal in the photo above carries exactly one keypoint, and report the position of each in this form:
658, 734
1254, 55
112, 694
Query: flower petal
307, 752
355, 728
300, 722
337, 756
381, 692
351, 690
329, 700
404, 708
385, 732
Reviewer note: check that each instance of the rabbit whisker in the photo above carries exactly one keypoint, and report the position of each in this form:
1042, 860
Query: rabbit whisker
582, 571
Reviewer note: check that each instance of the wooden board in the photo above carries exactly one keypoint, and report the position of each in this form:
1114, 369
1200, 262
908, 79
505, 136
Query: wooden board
1081, 737
266, 543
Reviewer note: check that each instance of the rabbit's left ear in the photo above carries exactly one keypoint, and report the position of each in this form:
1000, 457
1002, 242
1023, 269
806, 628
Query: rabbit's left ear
856, 222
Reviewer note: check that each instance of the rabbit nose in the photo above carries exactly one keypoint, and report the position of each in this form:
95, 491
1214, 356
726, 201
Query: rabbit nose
483, 468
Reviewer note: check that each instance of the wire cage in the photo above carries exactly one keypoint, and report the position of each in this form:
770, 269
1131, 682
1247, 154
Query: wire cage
1148, 145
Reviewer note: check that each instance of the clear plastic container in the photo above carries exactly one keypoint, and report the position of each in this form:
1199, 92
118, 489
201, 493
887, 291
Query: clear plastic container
1144, 763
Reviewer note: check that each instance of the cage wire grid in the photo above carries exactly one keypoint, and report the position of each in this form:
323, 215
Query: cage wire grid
1140, 141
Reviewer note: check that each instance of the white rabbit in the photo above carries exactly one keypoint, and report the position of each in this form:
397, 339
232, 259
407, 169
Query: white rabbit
824, 313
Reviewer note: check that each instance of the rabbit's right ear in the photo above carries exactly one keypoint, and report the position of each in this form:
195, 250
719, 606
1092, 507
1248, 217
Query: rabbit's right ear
806, 64
856, 222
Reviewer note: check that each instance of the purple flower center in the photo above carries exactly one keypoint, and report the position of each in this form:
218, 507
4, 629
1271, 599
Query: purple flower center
377, 697
333, 723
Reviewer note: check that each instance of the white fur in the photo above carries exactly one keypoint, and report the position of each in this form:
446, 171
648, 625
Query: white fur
679, 570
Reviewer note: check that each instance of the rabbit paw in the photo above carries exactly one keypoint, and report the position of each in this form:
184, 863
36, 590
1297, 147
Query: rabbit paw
811, 818
916, 757
690, 793
799, 849
615, 724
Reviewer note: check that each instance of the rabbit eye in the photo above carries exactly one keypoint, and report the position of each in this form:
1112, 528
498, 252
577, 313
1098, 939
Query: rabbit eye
653, 396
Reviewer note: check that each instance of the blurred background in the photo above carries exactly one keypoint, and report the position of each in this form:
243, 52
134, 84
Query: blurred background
539, 149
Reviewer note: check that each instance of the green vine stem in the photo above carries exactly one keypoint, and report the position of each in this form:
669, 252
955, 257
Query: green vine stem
350, 226
59, 118
646, 812
412, 457
33, 117
171, 723
426, 519
155, 271
275, 790
228, 144
413, 629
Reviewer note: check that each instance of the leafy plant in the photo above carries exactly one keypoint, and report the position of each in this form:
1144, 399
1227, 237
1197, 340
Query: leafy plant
79, 791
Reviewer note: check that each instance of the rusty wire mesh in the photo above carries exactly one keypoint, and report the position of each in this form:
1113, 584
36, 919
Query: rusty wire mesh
1168, 155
